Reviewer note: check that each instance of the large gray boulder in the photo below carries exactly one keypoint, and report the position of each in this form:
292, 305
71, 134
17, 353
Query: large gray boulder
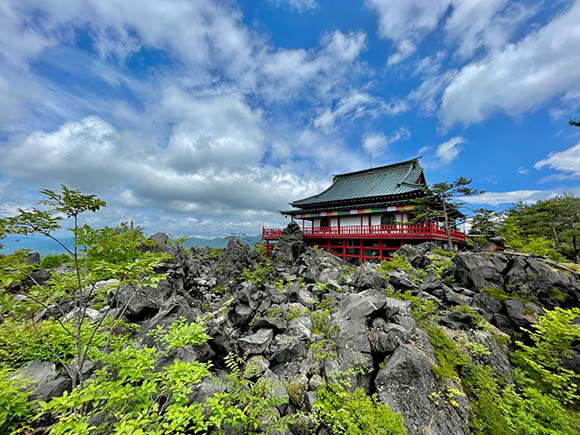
290, 245
42, 380
142, 303
407, 384
476, 271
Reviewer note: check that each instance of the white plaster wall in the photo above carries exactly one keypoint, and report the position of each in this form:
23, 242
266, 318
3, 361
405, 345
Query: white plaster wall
349, 220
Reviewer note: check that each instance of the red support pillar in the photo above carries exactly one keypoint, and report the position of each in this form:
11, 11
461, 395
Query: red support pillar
381, 248
344, 249
362, 252
328, 249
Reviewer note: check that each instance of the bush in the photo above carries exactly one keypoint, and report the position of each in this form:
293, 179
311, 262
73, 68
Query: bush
552, 339
15, 410
397, 262
21, 342
54, 261
501, 408
343, 412
258, 275
448, 353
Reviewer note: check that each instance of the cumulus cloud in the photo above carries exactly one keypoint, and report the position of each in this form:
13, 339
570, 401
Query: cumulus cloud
448, 151
297, 5
377, 143
354, 106
406, 23
498, 198
566, 162
470, 24
515, 79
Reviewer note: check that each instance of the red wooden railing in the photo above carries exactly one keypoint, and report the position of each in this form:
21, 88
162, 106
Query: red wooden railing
396, 231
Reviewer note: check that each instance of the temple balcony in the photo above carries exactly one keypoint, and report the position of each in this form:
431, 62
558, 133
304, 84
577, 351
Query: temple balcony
426, 231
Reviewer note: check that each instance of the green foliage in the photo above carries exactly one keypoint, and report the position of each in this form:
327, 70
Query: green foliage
179, 334
397, 262
440, 202
321, 322
247, 406
259, 275
54, 261
134, 396
324, 349
550, 227
274, 311
295, 311
260, 249
503, 408
22, 342
477, 320
342, 412
477, 349
440, 267
12, 268
15, 409
448, 353
443, 252
552, 339
485, 224
496, 293
422, 308
49, 340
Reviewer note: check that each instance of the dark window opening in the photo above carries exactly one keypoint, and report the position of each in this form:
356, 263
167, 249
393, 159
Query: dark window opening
324, 222
388, 219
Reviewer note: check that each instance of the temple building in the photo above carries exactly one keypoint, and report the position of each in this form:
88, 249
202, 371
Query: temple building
367, 214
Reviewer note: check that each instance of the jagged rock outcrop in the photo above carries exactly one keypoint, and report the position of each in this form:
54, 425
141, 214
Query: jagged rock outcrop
311, 315
290, 246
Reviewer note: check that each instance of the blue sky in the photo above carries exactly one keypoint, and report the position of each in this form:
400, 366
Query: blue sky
205, 118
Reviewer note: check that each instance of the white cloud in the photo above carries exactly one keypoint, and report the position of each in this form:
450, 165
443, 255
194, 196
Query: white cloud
545, 64
354, 106
471, 24
523, 171
567, 161
377, 143
297, 5
497, 198
448, 151
407, 23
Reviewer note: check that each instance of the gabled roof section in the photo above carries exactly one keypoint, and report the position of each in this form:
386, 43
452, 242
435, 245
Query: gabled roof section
395, 179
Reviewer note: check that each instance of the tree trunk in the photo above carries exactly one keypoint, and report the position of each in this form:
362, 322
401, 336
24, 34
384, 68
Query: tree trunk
447, 230
576, 250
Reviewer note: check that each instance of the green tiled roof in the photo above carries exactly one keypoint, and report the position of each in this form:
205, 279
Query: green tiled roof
387, 180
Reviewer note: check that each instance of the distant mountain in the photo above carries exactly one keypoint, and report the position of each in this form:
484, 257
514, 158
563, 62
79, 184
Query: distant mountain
46, 246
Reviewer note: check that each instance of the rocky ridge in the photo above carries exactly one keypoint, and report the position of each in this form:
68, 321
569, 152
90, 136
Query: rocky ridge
305, 315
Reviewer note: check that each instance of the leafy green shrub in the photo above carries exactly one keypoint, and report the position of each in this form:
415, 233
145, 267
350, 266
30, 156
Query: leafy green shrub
179, 334
321, 322
259, 274
477, 320
422, 308
295, 311
324, 349
477, 349
54, 261
343, 412
448, 353
21, 342
443, 252
397, 262
502, 408
15, 410
552, 339
496, 293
